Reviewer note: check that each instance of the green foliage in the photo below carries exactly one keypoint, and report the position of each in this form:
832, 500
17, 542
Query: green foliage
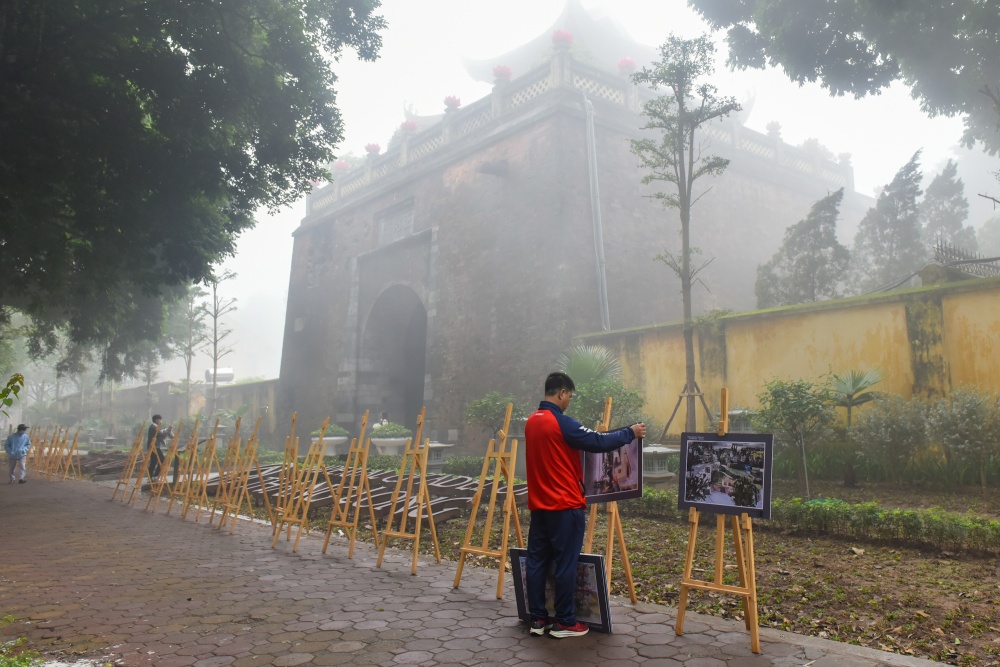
862, 47
587, 405
851, 389
797, 412
332, 431
868, 521
385, 462
945, 209
490, 410
10, 391
151, 118
988, 237
888, 435
968, 426
16, 654
590, 363
810, 265
389, 430
697, 487
887, 247
469, 466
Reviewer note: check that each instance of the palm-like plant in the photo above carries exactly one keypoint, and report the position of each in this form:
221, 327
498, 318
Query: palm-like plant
851, 389
590, 363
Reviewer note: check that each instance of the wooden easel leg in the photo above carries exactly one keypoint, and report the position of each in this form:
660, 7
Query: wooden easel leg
688, 566
625, 562
751, 569
609, 546
741, 565
588, 541
720, 545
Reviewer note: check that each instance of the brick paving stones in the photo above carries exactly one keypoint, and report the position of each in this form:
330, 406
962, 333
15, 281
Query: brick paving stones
90, 578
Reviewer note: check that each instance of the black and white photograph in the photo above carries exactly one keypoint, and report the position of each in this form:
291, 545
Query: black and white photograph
727, 475
613, 475
593, 606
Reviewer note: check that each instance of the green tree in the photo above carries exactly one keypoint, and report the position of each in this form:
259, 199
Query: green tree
811, 264
138, 139
745, 492
587, 405
187, 323
945, 52
490, 410
945, 209
217, 343
853, 388
988, 237
688, 103
887, 247
798, 413
589, 363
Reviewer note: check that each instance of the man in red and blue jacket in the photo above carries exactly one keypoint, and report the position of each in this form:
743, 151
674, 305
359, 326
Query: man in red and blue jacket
553, 446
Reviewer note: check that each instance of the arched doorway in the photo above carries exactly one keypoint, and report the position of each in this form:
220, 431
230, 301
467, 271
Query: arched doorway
393, 353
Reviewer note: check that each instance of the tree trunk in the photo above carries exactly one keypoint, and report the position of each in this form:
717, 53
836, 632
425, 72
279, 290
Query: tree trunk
805, 468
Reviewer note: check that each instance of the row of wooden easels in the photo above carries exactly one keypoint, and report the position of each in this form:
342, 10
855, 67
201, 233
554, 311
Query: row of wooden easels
227, 469
54, 456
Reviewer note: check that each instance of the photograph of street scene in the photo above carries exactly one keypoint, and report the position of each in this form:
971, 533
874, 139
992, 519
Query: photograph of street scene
613, 475
727, 474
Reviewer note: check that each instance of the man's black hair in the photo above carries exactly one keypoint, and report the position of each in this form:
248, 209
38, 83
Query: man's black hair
556, 381
155, 417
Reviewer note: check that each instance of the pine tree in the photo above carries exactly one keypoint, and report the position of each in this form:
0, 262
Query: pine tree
811, 264
944, 210
887, 247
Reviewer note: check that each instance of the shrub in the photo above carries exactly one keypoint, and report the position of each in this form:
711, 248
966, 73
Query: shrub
390, 430
888, 435
385, 462
332, 431
968, 427
587, 405
469, 466
490, 410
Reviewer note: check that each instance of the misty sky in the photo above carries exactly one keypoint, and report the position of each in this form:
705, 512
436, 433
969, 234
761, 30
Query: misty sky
421, 63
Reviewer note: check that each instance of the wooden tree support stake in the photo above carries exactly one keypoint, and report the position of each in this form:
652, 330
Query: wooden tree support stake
415, 457
502, 462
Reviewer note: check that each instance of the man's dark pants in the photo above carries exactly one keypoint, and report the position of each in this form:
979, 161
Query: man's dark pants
554, 537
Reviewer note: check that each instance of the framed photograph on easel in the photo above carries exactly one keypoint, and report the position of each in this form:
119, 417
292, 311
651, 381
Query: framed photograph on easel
613, 475
728, 474
593, 606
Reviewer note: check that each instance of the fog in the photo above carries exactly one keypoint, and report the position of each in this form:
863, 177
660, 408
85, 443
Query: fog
421, 63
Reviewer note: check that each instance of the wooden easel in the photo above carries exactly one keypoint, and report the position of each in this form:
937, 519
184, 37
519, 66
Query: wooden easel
150, 452
415, 456
289, 473
502, 462
156, 485
185, 471
296, 509
241, 476
202, 469
130, 462
72, 462
614, 525
227, 473
742, 527
355, 479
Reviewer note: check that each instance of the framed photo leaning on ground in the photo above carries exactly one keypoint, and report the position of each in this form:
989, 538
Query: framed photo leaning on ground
592, 604
613, 475
728, 474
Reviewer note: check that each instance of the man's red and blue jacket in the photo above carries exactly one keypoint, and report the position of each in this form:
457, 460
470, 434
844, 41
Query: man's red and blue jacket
553, 443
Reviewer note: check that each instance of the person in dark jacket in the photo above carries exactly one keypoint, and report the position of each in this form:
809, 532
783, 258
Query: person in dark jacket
155, 440
553, 442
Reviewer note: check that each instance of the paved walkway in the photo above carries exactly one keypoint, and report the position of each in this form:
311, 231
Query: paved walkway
90, 578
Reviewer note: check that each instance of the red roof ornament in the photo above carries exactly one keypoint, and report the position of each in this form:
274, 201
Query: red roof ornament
562, 38
452, 102
373, 149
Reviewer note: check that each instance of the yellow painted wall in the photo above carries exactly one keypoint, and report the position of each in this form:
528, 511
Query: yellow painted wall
952, 339
972, 339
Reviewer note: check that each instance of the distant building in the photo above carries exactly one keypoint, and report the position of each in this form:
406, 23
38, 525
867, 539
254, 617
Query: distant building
463, 260
223, 375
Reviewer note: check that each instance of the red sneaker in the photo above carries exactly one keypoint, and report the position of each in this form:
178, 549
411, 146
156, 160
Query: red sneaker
559, 630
